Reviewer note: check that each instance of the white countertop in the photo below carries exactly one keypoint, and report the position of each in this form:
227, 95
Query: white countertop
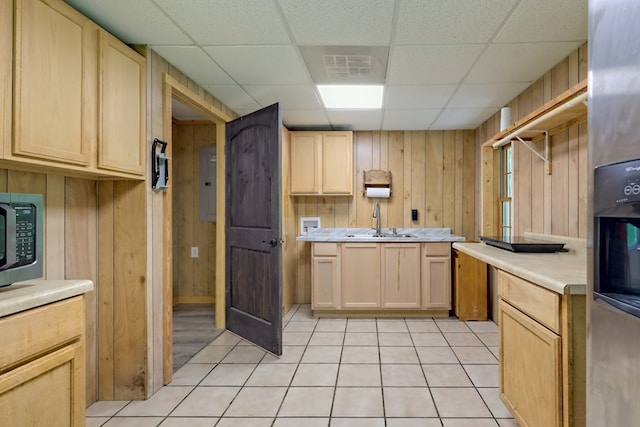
561, 272
34, 293
366, 235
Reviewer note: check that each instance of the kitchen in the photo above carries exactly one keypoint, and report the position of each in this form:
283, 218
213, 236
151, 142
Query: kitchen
76, 210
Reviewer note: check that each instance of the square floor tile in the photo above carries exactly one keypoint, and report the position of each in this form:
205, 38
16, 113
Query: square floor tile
364, 325
189, 422
307, 402
408, 402
422, 326
402, 376
490, 339
160, 404
245, 422
244, 354
359, 354
474, 355
437, 355
272, 374
459, 403
331, 325
453, 325
229, 374
301, 422
322, 354
295, 338
206, 402
106, 408
326, 338
290, 354
361, 338
482, 326
446, 376
491, 397
315, 374
357, 422
483, 375
359, 376
429, 339
385, 325
227, 339
95, 421
394, 339
257, 402
414, 422
472, 422
133, 422
457, 339
507, 423
357, 402
211, 354
398, 355
191, 373
495, 351
300, 327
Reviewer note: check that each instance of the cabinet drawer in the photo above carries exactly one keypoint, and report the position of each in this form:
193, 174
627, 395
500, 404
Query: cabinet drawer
539, 303
325, 249
437, 249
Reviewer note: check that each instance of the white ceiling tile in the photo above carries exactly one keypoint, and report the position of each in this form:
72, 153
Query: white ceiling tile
181, 111
195, 63
495, 95
289, 97
519, 62
261, 65
418, 97
339, 22
462, 118
228, 22
133, 22
356, 120
299, 119
431, 64
233, 96
409, 119
546, 20
450, 22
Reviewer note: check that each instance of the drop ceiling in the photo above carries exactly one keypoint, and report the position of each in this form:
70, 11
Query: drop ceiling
450, 64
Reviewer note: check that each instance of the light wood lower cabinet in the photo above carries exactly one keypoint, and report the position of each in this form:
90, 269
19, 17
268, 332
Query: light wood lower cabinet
470, 287
360, 275
42, 365
381, 276
542, 353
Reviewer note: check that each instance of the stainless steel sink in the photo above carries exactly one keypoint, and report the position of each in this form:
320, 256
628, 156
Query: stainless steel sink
380, 236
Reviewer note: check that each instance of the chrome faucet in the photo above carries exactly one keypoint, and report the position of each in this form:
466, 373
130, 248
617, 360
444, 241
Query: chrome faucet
376, 215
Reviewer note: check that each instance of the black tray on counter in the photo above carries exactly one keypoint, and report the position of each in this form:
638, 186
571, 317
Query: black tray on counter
522, 244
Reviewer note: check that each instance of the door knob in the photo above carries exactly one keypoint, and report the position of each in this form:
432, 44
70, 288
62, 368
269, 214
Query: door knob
274, 242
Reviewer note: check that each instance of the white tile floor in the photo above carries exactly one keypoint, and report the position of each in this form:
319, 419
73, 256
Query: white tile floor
333, 372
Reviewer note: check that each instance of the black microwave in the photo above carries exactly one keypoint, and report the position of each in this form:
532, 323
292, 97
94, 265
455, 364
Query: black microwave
21, 235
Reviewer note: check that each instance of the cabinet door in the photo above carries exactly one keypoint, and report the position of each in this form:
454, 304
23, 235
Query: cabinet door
325, 282
436, 282
337, 163
401, 275
530, 369
305, 162
360, 275
122, 107
470, 287
53, 97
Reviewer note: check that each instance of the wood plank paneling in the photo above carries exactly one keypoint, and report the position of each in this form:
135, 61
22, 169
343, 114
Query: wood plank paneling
106, 378
438, 180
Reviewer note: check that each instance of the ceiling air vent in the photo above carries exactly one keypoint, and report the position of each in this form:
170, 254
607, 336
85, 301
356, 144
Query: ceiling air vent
346, 64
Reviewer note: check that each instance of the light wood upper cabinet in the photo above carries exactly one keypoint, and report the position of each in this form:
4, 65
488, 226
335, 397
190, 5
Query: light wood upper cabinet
122, 106
52, 97
400, 275
360, 275
321, 163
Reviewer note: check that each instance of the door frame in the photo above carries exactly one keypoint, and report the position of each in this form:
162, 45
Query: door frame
173, 88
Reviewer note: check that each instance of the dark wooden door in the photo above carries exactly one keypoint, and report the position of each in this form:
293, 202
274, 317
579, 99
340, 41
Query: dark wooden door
253, 228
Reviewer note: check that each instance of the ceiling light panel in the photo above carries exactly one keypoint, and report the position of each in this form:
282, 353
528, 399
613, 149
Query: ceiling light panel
450, 22
351, 96
230, 22
431, 64
339, 22
134, 22
565, 20
194, 63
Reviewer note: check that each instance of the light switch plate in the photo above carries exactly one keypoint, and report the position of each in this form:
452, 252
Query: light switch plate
194, 252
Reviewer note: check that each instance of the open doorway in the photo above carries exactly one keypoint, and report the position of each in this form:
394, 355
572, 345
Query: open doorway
193, 177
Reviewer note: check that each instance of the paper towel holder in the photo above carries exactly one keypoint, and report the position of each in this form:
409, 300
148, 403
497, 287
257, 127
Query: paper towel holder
376, 178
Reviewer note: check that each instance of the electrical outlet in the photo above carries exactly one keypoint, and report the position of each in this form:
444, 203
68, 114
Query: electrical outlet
194, 252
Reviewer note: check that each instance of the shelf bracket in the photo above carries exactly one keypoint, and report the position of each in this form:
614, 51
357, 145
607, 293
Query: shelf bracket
546, 157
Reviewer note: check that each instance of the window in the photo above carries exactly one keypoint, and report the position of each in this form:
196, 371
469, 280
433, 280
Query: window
506, 189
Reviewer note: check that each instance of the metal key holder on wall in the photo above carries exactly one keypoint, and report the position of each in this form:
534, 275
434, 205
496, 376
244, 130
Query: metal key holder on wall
159, 165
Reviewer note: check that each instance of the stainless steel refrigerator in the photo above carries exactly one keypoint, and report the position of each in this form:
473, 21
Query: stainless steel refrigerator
613, 299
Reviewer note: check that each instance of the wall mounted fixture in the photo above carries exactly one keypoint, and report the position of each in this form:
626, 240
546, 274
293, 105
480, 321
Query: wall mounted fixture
159, 165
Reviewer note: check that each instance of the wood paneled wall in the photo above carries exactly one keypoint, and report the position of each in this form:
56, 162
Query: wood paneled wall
551, 204
193, 278
432, 171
